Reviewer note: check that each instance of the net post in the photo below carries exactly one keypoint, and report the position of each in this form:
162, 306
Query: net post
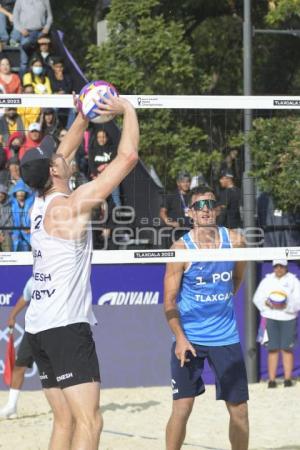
249, 206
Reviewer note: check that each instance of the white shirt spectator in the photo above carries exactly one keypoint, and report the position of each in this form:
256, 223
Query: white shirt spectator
288, 285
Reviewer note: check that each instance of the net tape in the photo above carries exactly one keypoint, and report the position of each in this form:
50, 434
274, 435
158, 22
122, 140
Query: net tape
172, 102
170, 256
162, 101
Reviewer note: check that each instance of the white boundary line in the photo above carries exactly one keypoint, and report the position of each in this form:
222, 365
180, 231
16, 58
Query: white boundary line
163, 101
166, 256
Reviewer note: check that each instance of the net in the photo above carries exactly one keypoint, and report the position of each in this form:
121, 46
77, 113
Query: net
195, 133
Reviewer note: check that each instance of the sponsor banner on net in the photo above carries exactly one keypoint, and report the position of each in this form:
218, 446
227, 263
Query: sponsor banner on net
286, 102
129, 298
154, 254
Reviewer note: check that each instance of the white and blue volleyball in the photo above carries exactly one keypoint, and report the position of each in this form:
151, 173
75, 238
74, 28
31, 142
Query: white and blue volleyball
91, 92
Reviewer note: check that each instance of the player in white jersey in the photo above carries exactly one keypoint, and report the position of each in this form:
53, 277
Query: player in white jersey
60, 313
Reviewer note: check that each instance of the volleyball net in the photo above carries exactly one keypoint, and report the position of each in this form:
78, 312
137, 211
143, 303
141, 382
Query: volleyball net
193, 134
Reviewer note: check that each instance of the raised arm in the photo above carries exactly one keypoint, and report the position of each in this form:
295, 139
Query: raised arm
91, 194
73, 138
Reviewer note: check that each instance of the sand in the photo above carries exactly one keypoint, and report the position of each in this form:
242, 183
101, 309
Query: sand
134, 419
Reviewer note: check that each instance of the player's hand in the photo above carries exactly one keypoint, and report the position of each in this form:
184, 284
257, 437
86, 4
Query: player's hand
11, 322
183, 346
112, 105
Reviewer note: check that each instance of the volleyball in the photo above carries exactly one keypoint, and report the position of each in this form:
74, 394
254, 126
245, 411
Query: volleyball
91, 92
278, 299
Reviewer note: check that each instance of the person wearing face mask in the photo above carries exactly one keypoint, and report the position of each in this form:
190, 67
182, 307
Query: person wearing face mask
15, 142
9, 123
37, 76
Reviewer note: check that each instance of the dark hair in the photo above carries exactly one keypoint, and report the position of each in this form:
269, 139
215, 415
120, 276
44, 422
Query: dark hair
5, 57
200, 190
34, 59
28, 85
57, 60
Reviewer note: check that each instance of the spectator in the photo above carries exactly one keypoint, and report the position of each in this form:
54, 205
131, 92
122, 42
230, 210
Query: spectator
3, 158
44, 51
50, 123
281, 228
100, 154
77, 178
10, 82
229, 202
174, 209
37, 76
5, 219
21, 202
33, 21
61, 82
14, 144
232, 163
33, 138
100, 150
278, 300
9, 123
10, 174
6, 23
29, 114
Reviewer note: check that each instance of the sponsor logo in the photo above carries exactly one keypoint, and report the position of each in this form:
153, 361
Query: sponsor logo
44, 376
151, 254
5, 298
174, 388
120, 298
213, 297
65, 376
149, 101
292, 253
285, 102
10, 101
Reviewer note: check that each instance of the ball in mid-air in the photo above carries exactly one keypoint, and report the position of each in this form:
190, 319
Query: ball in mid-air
91, 92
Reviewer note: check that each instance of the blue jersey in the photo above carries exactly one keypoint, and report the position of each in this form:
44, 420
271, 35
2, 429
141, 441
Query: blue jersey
205, 299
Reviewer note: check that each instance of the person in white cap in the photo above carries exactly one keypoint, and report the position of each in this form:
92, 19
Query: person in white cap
33, 139
278, 300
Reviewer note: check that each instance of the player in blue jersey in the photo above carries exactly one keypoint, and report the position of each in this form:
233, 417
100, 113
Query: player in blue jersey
198, 302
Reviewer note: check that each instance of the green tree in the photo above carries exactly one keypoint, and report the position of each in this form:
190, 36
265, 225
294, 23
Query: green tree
275, 146
146, 54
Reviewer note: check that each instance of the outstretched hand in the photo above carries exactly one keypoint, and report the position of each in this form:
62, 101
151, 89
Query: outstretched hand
111, 105
183, 346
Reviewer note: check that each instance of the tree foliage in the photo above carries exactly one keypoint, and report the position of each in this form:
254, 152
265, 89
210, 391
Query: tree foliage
195, 47
146, 54
275, 145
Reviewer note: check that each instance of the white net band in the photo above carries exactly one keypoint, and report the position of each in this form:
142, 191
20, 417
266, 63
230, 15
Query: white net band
167, 256
162, 101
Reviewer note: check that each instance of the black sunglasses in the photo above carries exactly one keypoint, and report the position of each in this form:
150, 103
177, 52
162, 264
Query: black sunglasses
200, 204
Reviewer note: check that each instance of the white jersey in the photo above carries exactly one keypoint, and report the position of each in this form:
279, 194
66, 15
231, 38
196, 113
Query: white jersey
61, 289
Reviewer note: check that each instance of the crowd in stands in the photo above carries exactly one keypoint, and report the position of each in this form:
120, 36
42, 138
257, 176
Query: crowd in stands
26, 24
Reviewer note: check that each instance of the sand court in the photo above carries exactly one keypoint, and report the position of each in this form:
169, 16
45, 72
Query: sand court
135, 418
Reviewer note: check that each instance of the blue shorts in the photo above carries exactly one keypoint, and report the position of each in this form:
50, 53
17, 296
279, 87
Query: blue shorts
228, 365
282, 334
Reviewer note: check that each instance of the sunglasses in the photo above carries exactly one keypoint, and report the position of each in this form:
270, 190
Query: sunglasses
200, 204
